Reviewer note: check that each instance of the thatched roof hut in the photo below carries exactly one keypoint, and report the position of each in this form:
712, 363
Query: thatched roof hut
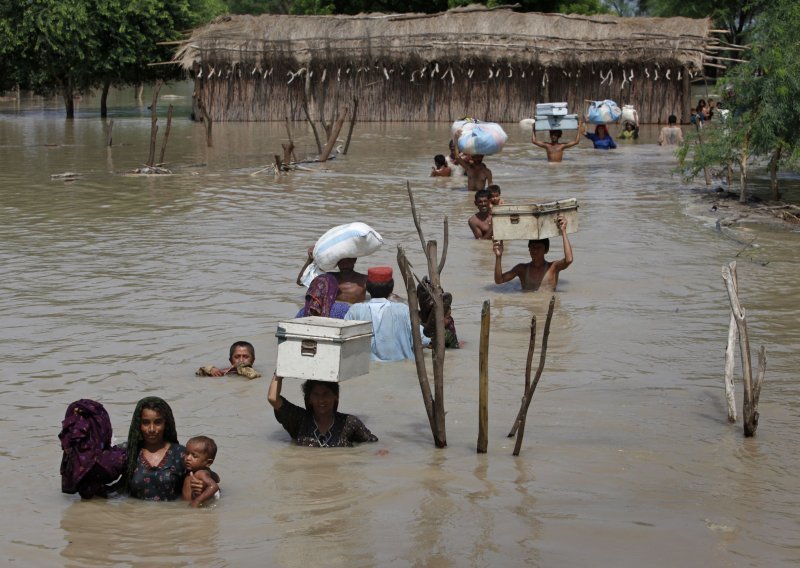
491, 63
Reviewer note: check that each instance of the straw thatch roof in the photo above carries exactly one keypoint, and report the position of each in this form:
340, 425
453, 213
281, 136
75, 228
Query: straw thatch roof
474, 32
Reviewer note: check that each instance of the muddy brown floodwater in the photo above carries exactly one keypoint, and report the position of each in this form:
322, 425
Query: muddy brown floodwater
115, 287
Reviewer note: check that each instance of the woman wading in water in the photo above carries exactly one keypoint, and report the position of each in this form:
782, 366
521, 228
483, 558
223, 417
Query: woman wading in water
318, 424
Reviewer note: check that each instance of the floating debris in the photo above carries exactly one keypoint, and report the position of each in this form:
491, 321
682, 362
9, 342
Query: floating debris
67, 176
151, 170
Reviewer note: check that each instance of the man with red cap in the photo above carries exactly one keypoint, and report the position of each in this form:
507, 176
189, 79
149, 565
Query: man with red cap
391, 321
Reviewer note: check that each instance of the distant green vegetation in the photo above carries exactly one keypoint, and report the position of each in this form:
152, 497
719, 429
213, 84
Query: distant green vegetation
69, 47
762, 97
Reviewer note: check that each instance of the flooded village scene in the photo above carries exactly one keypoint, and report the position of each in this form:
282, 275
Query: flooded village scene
400, 285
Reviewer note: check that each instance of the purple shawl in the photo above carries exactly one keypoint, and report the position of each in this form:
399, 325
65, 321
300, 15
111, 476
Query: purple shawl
89, 462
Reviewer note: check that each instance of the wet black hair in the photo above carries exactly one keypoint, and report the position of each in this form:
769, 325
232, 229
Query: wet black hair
246, 344
482, 193
545, 242
135, 437
309, 385
556, 132
494, 189
672, 119
380, 289
439, 160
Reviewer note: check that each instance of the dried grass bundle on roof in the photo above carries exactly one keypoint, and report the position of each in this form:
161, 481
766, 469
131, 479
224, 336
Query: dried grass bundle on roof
491, 63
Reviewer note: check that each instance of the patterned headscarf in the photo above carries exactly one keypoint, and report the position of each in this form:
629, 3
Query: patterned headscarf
135, 437
321, 296
89, 462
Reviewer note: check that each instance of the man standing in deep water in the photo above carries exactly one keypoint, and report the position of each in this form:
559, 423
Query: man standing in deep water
538, 273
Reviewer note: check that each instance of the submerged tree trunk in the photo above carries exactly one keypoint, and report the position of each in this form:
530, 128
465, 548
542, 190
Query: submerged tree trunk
104, 98
69, 100
773, 173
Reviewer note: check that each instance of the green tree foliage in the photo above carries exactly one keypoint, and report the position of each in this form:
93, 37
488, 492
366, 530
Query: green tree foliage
72, 46
762, 95
736, 16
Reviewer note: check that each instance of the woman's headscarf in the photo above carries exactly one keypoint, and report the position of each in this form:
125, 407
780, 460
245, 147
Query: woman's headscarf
89, 462
321, 296
135, 437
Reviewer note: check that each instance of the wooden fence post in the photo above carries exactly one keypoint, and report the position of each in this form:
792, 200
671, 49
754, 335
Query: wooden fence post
483, 380
751, 391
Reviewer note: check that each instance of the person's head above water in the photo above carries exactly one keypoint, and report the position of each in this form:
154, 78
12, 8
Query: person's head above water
672, 119
152, 423
380, 283
242, 353
494, 193
533, 243
601, 130
320, 396
346, 264
555, 135
439, 160
200, 453
483, 200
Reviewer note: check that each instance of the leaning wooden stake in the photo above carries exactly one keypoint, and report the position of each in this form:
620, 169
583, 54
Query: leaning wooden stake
151, 156
332, 140
483, 379
531, 349
519, 423
730, 352
166, 135
434, 402
352, 125
751, 391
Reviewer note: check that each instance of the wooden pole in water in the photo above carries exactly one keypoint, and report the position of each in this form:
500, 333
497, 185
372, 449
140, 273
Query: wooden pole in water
332, 140
151, 156
434, 404
730, 351
206, 121
483, 380
166, 135
419, 357
291, 142
519, 423
751, 392
352, 125
531, 349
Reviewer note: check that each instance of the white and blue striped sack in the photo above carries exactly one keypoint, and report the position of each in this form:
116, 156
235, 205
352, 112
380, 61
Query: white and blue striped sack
352, 240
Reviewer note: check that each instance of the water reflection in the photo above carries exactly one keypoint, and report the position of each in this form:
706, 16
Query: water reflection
115, 286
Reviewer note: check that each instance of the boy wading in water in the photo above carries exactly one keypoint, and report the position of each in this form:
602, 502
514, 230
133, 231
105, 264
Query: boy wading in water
478, 175
538, 273
554, 148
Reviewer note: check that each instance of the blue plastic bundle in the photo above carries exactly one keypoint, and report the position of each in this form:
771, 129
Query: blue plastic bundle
603, 112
